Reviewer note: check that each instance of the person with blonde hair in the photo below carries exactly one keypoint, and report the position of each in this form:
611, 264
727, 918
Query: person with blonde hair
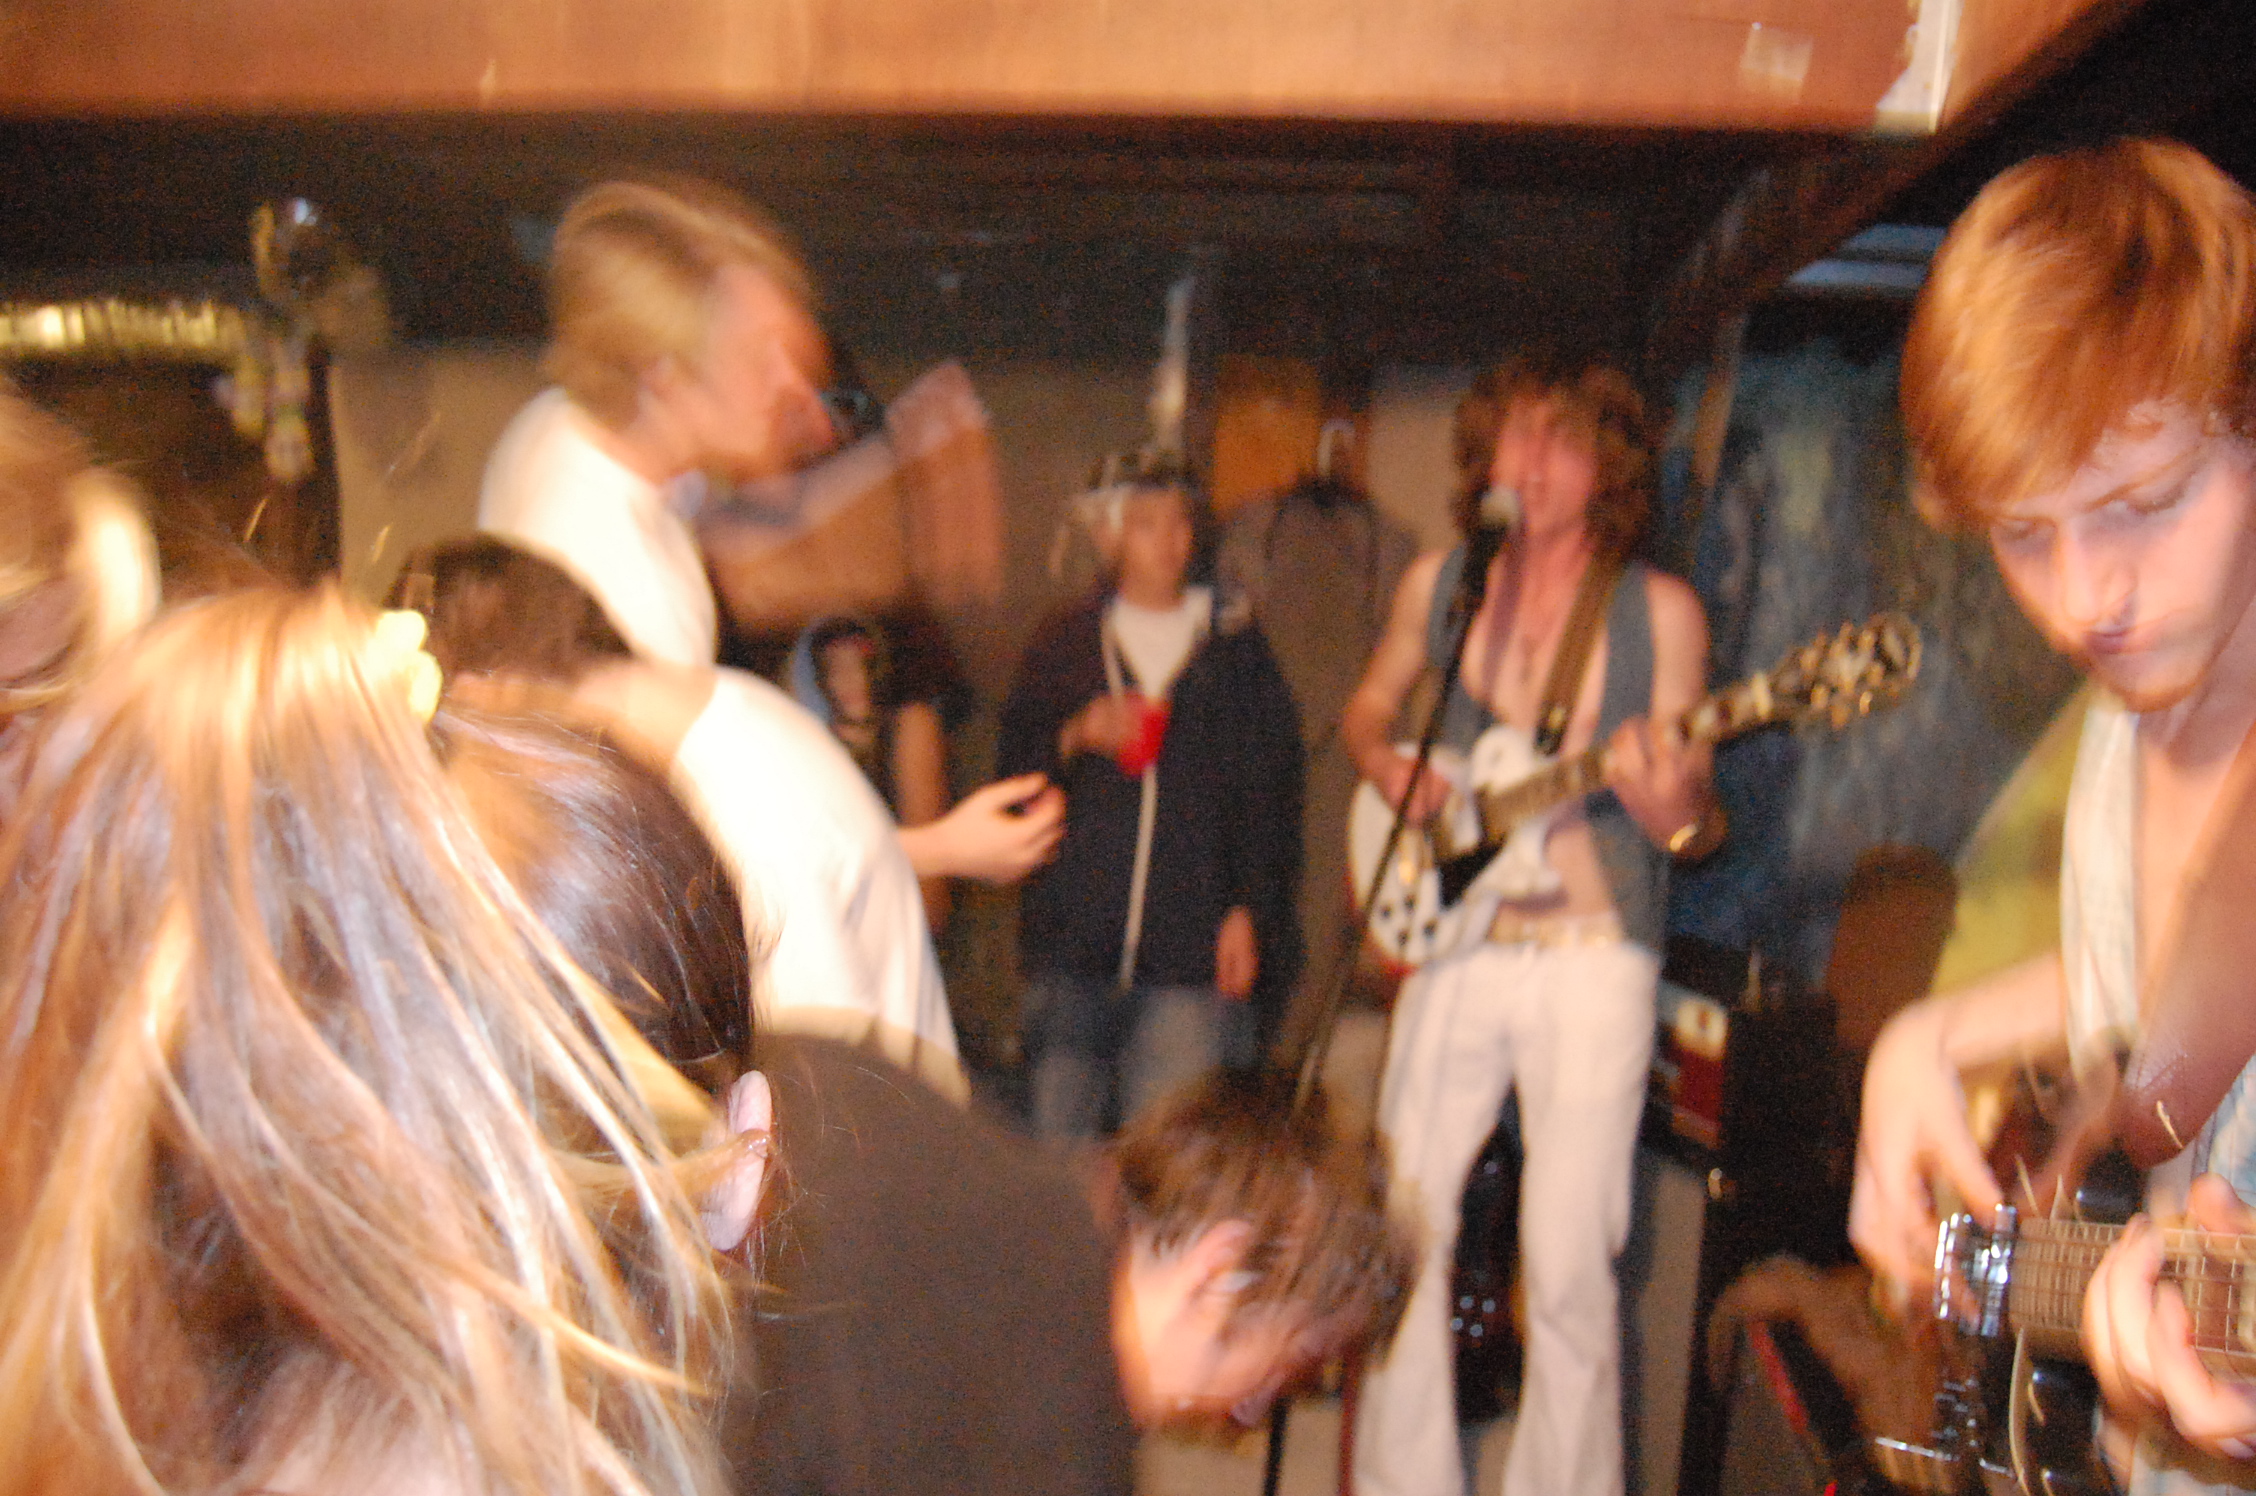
78, 572
684, 346
2079, 386
325, 1168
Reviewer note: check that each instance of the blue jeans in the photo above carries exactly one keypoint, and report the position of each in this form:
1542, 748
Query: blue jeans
1099, 1055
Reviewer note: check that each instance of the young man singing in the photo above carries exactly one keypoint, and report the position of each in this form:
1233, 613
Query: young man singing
1554, 997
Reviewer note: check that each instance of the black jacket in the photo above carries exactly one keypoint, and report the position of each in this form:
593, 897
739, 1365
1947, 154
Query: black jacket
1227, 831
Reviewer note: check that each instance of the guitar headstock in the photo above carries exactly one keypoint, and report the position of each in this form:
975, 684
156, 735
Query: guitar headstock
1843, 675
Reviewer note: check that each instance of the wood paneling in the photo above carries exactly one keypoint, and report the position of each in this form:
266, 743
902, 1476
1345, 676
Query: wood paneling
1268, 414
1807, 64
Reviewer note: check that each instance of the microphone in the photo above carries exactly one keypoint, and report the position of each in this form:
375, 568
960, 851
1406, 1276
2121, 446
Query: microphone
1494, 520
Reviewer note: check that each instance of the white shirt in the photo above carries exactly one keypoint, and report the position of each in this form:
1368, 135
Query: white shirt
1157, 642
2098, 892
553, 490
828, 893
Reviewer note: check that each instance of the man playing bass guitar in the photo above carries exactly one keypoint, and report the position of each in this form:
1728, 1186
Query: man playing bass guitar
2079, 384
1557, 1000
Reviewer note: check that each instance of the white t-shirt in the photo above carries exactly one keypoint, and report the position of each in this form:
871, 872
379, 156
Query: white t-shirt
828, 892
1157, 642
553, 490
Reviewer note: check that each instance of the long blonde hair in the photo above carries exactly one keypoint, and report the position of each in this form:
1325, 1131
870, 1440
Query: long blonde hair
314, 1135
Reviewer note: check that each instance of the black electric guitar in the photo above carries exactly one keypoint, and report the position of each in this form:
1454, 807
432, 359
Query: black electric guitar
2015, 1408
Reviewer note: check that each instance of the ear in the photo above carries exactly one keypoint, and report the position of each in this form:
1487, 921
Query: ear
735, 1201
38, 627
1215, 1259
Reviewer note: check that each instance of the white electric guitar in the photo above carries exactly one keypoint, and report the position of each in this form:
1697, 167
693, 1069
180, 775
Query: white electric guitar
1486, 845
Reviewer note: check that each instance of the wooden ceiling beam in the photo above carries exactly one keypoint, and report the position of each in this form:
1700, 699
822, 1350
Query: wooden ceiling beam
1764, 64
1786, 215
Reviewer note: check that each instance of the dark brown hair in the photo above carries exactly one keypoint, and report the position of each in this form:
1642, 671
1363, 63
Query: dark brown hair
618, 870
1231, 1147
496, 609
1598, 399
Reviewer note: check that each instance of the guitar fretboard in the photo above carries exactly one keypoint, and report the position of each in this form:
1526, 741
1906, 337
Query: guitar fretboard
2053, 1262
1736, 709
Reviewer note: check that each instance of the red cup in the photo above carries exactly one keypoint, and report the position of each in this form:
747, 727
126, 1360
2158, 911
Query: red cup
1141, 749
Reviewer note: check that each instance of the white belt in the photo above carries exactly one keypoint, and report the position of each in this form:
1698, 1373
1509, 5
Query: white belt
1554, 931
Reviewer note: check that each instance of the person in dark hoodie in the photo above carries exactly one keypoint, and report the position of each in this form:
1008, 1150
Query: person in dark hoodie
1157, 943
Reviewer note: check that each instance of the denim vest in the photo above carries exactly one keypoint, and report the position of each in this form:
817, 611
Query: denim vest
1636, 870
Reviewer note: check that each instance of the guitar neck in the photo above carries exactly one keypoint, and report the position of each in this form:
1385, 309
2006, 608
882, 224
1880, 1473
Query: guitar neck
1713, 719
2053, 1262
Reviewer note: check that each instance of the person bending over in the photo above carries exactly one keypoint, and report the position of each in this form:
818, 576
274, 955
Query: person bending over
944, 1307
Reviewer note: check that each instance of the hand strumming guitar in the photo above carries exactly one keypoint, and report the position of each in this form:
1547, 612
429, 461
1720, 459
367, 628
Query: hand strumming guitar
2139, 1336
1390, 769
1913, 1127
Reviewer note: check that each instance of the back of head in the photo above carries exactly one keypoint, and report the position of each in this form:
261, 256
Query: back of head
321, 1155
618, 870
631, 281
494, 608
1232, 1147
2074, 289
1597, 399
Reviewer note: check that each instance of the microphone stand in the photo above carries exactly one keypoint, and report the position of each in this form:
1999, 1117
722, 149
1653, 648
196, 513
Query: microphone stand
1481, 551
1472, 590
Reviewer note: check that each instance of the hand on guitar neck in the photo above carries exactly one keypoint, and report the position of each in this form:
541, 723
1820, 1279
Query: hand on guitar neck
1666, 781
2140, 1337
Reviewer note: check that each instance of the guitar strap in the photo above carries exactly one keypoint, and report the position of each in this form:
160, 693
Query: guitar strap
1592, 600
